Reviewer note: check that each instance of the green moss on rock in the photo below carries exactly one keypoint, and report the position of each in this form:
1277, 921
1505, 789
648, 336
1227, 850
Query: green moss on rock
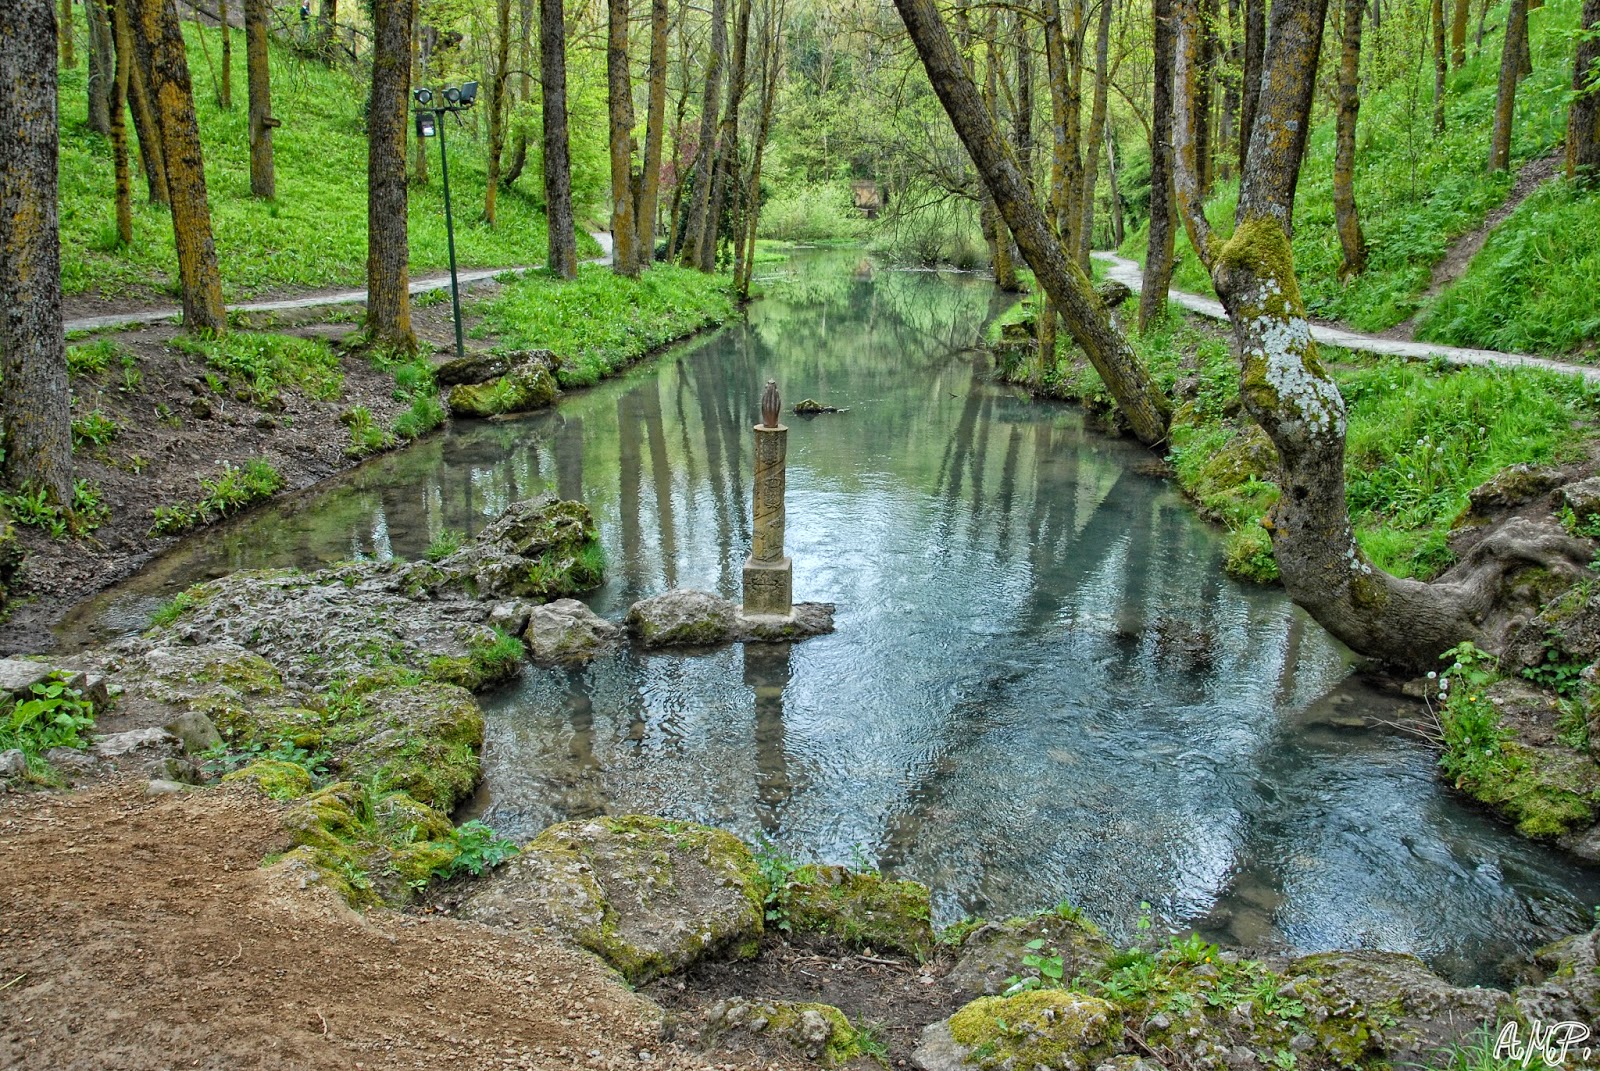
422, 739
861, 910
280, 779
1050, 1028
525, 388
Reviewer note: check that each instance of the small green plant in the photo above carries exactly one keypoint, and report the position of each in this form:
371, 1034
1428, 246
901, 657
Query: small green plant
55, 715
444, 544
91, 358
172, 609
424, 415
1045, 967
94, 429
132, 378
264, 364
478, 848
34, 509
366, 437
167, 416
226, 493
777, 869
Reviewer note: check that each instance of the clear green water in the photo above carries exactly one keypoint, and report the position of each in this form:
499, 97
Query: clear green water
1041, 686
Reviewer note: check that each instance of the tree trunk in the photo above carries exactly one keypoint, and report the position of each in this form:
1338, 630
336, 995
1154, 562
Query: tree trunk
1458, 32
562, 258
772, 62
654, 127
119, 123
1206, 50
68, 57
499, 76
705, 152
1228, 122
1583, 120
519, 147
1118, 234
388, 251
35, 418
724, 179
1158, 262
144, 119
225, 87
327, 22
1137, 395
1064, 57
619, 92
1346, 219
102, 66
263, 183
1097, 132
1506, 101
999, 238
158, 44
1440, 66
1255, 43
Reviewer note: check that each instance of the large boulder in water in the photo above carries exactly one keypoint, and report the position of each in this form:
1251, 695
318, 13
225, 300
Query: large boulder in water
566, 632
525, 387
688, 618
647, 895
542, 548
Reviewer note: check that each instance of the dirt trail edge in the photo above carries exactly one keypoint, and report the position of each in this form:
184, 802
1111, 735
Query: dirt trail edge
144, 933
1129, 274
318, 299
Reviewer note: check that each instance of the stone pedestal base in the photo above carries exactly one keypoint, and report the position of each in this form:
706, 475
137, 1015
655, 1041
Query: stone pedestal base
769, 588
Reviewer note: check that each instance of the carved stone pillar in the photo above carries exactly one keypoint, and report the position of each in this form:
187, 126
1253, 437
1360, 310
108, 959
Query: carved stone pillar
768, 574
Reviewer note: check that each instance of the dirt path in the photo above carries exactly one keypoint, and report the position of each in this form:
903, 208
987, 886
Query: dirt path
315, 299
1128, 273
143, 933
1453, 265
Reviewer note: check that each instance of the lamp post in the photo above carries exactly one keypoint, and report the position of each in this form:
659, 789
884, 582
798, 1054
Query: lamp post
430, 124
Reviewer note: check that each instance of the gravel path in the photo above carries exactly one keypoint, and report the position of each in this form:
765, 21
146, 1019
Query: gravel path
1128, 273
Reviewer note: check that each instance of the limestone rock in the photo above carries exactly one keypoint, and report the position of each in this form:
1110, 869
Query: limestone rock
861, 910
688, 618
195, 732
541, 548
18, 675
1566, 630
155, 741
524, 388
1052, 1028
682, 618
567, 632
424, 739
13, 763
647, 895
70, 759
1113, 293
1582, 498
820, 1032
993, 953
1513, 486
1422, 1013
1569, 990
159, 787
473, 368
511, 616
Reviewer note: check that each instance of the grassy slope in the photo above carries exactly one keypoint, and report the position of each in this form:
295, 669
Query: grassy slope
1418, 191
314, 233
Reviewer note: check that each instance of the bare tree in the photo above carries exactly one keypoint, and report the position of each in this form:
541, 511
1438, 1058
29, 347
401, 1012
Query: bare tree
388, 248
1346, 218
562, 258
619, 96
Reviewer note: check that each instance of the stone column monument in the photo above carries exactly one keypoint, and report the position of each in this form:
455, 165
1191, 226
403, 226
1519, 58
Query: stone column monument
768, 574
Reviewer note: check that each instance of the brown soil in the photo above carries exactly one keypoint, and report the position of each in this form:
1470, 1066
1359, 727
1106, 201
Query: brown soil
1456, 259
162, 448
144, 933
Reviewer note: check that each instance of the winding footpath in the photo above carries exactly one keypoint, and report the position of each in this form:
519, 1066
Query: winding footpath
1128, 273
317, 300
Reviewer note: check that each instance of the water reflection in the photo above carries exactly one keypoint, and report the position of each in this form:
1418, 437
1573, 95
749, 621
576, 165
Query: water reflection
1041, 686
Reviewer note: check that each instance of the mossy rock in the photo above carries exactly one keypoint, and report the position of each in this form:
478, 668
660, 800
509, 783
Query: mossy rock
189, 670
543, 548
340, 871
820, 1032
274, 777
421, 861
423, 739
861, 910
682, 619
1044, 1028
526, 387
647, 895
399, 817
991, 953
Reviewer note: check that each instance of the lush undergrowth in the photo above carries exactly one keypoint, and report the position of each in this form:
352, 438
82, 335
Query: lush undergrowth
1418, 191
601, 322
1420, 438
812, 212
314, 233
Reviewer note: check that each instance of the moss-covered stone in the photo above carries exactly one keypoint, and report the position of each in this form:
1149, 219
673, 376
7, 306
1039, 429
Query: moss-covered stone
1051, 1028
277, 778
423, 739
527, 387
991, 954
820, 1032
861, 910
423, 860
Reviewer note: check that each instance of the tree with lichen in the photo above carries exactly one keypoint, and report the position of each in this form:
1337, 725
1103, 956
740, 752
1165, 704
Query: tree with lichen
1583, 120
263, 182
34, 413
159, 50
563, 243
1505, 102
1347, 220
619, 103
388, 290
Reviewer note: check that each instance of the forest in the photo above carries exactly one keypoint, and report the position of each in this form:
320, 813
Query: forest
844, 533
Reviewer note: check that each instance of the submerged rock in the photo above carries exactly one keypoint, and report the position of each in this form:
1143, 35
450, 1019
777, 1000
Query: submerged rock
567, 632
647, 895
688, 618
811, 407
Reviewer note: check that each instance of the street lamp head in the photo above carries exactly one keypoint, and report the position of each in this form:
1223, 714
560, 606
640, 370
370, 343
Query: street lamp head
424, 96
453, 95
469, 93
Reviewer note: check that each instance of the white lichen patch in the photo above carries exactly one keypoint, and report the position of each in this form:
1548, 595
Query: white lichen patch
1283, 341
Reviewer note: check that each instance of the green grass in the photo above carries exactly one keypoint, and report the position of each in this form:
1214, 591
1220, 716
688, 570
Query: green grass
1420, 438
234, 488
314, 233
1532, 288
263, 363
1418, 191
601, 322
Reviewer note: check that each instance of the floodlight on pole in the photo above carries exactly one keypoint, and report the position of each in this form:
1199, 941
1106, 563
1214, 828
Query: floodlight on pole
429, 125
